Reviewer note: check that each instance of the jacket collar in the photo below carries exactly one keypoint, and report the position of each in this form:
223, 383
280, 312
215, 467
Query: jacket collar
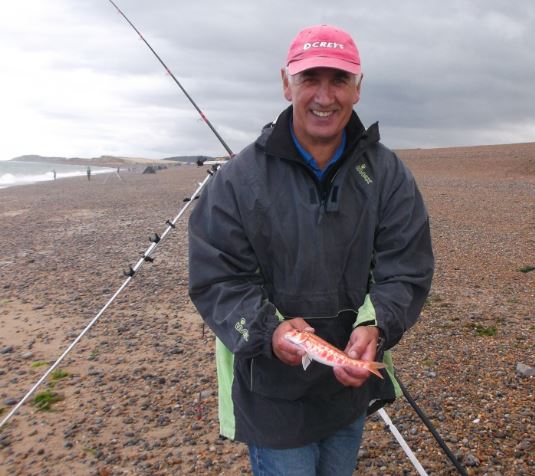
276, 139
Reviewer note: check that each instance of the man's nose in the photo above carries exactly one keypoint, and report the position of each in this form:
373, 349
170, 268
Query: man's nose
324, 93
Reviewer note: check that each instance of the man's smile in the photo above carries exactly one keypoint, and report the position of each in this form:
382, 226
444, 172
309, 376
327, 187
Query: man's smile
322, 113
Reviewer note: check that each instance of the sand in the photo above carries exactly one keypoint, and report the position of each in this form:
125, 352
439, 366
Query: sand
139, 394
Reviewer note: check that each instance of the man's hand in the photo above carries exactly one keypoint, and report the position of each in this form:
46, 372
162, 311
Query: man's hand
286, 351
362, 345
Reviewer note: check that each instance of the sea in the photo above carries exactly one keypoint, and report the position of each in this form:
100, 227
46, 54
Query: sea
14, 173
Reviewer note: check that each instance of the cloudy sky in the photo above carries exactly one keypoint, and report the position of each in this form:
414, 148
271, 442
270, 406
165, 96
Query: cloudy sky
75, 80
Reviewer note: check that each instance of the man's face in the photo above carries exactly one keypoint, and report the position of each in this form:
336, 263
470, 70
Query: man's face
323, 100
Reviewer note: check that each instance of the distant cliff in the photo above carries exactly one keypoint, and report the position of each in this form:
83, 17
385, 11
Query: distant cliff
106, 160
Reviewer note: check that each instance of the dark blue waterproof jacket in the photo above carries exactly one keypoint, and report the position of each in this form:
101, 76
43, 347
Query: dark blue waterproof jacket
268, 241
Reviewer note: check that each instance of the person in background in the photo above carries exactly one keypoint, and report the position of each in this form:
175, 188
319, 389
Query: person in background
316, 226
88, 173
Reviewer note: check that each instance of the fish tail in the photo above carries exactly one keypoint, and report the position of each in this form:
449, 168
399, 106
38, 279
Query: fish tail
374, 367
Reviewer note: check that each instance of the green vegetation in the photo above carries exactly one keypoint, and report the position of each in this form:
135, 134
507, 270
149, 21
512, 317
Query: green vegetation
38, 363
91, 451
44, 400
58, 374
480, 330
527, 269
428, 362
485, 331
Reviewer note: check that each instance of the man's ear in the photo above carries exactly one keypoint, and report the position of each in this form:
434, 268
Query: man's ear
286, 85
356, 96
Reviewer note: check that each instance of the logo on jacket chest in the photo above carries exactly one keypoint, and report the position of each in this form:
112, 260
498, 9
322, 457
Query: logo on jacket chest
361, 170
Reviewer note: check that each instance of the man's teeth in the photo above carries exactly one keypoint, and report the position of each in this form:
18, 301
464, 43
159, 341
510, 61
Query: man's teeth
322, 113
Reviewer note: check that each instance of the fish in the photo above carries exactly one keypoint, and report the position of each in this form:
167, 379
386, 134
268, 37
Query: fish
321, 351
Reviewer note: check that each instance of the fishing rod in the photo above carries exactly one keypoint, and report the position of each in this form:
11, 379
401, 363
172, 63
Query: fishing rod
147, 258
203, 117
155, 240
412, 457
383, 414
458, 466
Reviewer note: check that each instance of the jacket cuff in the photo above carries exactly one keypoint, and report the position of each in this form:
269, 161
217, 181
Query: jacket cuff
271, 324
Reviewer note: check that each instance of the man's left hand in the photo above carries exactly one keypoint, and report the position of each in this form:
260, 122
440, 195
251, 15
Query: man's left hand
362, 345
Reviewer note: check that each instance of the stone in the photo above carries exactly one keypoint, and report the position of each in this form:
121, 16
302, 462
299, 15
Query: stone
470, 460
525, 370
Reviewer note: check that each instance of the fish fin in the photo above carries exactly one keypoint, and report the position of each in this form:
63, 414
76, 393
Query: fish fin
374, 367
306, 361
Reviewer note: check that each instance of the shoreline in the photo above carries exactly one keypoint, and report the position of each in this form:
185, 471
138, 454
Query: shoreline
12, 178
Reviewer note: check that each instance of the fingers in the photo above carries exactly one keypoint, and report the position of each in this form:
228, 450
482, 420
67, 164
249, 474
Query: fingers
285, 350
351, 377
300, 324
363, 343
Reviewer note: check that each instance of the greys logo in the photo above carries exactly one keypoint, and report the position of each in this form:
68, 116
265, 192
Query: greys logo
323, 44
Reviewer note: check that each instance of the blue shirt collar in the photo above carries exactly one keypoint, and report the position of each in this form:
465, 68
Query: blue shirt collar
309, 160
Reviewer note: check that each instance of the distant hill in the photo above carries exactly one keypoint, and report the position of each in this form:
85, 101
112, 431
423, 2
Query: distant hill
103, 160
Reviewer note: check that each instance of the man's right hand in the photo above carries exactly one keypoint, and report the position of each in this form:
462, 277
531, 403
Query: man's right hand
286, 351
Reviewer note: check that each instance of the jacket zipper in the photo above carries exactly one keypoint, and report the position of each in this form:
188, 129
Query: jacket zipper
324, 195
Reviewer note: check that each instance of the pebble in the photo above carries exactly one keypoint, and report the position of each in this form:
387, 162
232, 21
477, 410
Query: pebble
4, 441
525, 370
495, 441
10, 401
6, 350
206, 394
471, 460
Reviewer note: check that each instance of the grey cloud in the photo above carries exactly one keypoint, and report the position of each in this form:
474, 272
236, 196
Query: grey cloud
436, 73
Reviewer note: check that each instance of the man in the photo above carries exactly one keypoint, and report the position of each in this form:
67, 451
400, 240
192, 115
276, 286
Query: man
316, 226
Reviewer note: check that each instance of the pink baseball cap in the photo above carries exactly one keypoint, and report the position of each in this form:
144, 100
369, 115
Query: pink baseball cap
323, 46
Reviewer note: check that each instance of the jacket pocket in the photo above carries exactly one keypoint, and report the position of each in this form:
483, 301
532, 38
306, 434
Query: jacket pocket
273, 379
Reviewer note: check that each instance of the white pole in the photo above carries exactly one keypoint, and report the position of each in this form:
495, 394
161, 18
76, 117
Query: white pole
403, 443
138, 265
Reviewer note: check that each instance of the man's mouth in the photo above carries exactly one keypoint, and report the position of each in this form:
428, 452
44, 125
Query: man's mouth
322, 113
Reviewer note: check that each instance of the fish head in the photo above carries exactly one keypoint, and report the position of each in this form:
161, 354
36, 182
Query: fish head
295, 336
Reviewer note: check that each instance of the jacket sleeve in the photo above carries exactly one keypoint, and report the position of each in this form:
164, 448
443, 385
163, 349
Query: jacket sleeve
224, 279
403, 263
